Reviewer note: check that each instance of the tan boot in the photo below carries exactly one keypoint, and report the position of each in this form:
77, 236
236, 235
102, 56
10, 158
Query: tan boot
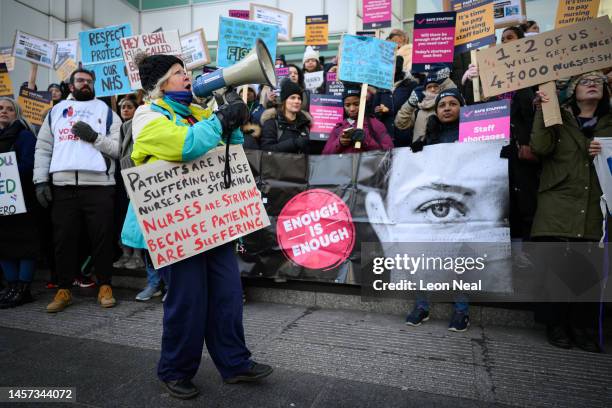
105, 296
62, 299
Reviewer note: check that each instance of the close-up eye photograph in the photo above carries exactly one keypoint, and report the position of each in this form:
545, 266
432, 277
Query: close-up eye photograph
322, 204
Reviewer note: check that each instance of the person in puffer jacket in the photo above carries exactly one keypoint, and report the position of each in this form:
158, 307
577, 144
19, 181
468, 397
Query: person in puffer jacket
204, 298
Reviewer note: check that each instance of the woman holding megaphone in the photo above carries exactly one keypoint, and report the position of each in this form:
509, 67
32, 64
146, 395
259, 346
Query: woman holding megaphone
204, 299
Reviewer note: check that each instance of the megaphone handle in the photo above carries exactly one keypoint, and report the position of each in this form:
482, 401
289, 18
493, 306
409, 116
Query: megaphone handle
227, 176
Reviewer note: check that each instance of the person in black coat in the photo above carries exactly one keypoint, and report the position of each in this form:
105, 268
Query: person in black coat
19, 241
289, 129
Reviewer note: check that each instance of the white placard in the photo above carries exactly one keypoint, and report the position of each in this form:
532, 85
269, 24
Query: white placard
34, 49
195, 50
270, 15
11, 195
65, 49
313, 80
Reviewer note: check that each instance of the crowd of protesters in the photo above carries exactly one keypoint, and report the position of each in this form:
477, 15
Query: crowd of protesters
78, 188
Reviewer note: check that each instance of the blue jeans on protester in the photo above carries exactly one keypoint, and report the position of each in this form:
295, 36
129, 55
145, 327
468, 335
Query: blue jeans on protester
18, 269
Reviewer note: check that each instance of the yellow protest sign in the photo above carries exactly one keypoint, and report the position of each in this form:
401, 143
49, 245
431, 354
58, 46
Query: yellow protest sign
475, 25
575, 11
6, 86
65, 69
34, 105
317, 30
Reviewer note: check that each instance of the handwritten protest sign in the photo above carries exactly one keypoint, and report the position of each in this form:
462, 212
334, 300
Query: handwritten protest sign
164, 42
34, 49
237, 38
195, 49
485, 121
603, 167
575, 11
65, 69
183, 209
243, 14
475, 27
332, 85
326, 111
434, 41
545, 57
367, 60
101, 53
65, 49
6, 57
317, 30
11, 194
313, 80
376, 14
509, 12
6, 85
270, 15
34, 105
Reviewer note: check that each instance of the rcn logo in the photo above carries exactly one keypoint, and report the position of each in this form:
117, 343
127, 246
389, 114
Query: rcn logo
68, 112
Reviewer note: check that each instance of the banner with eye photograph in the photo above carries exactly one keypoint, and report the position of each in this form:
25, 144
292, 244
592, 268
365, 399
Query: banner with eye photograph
322, 209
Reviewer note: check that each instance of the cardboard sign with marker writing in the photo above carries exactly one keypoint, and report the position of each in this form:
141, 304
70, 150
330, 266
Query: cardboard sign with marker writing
549, 56
6, 85
165, 42
367, 60
575, 11
184, 209
237, 38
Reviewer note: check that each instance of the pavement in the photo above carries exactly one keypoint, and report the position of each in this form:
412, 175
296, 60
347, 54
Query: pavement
321, 358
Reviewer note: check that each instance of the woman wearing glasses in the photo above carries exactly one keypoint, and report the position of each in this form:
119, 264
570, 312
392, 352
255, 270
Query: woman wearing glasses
568, 199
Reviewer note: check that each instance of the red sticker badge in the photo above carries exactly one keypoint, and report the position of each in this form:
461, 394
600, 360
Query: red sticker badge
315, 230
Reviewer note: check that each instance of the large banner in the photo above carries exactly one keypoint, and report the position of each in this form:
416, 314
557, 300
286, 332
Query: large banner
237, 38
11, 195
323, 208
367, 60
184, 209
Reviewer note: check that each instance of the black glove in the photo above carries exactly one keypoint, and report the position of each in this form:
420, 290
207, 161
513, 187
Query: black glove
234, 113
301, 143
43, 194
84, 132
417, 146
357, 135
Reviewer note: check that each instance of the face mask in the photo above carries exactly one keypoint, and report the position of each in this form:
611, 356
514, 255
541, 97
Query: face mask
182, 97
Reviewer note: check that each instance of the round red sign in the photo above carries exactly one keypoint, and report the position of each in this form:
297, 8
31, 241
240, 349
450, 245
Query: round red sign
315, 230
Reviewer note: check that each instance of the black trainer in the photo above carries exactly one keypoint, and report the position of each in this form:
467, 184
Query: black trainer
256, 372
557, 336
182, 389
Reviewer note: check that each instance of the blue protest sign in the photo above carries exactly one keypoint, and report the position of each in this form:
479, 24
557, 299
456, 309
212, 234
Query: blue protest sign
367, 60
102, 44
237, 38
111, 78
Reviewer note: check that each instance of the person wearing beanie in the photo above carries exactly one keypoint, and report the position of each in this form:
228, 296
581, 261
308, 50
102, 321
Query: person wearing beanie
56, 93
342, 138
420, 106
312, 68
568, 207
287, 128
204, 298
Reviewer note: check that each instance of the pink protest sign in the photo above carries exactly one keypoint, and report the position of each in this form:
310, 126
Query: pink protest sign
326, 111
485, 121
434, 41
376, 14
281, 73
243, 14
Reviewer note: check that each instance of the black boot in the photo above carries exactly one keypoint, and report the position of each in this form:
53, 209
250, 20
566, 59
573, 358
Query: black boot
6, 300
26, 295
19, 296
557, 336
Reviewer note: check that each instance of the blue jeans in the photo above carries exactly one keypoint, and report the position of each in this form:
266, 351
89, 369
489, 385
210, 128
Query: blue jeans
153, 277
461, 303
18, 269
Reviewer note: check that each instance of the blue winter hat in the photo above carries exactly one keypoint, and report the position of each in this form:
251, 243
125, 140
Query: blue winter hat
454, 92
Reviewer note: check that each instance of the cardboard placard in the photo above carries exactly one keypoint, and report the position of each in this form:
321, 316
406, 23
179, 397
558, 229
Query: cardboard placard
551, 109
475, 27
65, 69
317, 30
34, 105
367, 60
548, 56
65, 49
433, 41
237, 38
509, 12
271, 15
332, 85
6, 57
34, 49
575, 11
11, 194
195, 49
6, 85
313, 80
376, 14
183, 209
485, 121
243, 14
165, 42
326, 112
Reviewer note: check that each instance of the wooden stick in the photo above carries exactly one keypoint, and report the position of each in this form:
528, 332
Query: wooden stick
245, 93
361, 116
475, 81
114, 103
551, 109
33, 74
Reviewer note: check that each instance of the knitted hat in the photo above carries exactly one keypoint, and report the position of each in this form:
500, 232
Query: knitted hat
454, 92
310, 53
351, 89
573, 83
289, 88
438, 76
151, 68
